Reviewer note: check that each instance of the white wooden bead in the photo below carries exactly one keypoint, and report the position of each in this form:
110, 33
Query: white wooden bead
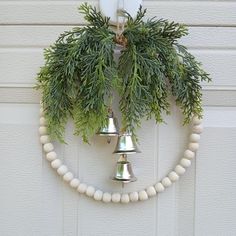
98, 195
41, 111
195, 138
180, 170
133, 197
106, 197
159, 187
43, 130
63, 169
166, 182
56, 163
197, 129
115, 197
48, 147
82, 188
185, 162
90, 191
42, 121
197, 121
125, 198
68, 177
74, 183
189, 154
151, 191
142, 195
45, 139
173, 176
193, 147
51, 156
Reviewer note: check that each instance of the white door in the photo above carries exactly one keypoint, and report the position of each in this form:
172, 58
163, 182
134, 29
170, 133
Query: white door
33, 199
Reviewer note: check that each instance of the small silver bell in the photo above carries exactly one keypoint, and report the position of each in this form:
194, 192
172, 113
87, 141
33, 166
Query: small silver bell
126, 145
124, 172
111, 128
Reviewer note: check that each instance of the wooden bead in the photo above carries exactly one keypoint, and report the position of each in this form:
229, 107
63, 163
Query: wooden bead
74, 183
197, 129
98, 195
63, 169
41, 111
180, 170
115, 197
193, 147
195, 138
133, 197
106, 197
43, 130
90, 191
48, 147
51, 156
185, 162
56, 163
159, 187
68, 177
125, 198
189, 154
82, 188
197, 121
166, 182
151, 191
45, 139
42, 121
142, 195
173, 176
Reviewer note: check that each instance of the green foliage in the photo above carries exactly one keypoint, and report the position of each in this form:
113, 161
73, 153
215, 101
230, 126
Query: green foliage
78, 77
80, 74
153, 62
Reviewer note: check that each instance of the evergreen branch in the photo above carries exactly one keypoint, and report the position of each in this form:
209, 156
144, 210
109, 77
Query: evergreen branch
80, 74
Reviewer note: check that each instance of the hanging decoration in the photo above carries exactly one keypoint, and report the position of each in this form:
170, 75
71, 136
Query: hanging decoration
80, 76
119, 197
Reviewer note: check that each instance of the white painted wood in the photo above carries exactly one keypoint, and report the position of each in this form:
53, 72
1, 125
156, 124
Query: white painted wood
21, 48
111, 9
215, 190
170, 150
70, 198
37, 202
27, 62
21, 37
65, 12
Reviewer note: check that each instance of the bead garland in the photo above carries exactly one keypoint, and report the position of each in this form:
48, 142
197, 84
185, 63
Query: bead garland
106, 197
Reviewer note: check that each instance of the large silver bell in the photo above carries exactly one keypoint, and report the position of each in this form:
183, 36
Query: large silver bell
111, 128
124, 172
126, 145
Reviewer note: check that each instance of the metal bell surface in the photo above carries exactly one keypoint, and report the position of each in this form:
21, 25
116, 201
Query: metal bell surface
126, 145
111, 129
124, 172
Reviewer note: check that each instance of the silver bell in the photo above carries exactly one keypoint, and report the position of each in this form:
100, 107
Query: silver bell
126, 145
111, 128
124, 172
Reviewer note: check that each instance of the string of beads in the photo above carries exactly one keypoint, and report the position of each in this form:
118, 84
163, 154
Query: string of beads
107, 197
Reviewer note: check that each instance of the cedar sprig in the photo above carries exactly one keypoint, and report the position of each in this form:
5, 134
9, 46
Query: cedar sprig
77, 77
80, 74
